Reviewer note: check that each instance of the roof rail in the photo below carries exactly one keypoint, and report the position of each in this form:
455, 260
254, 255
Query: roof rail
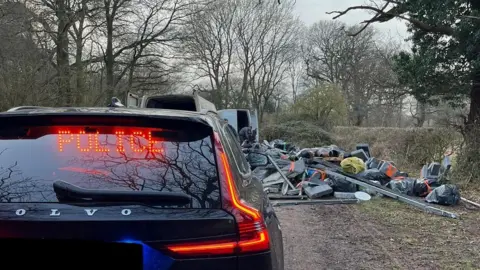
25, 108
208, 111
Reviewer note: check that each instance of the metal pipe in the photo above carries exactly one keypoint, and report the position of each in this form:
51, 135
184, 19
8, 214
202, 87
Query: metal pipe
311, 202
392, 194
287, 197
470, 202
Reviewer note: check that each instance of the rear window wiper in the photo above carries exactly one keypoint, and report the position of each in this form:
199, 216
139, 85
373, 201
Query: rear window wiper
67, 192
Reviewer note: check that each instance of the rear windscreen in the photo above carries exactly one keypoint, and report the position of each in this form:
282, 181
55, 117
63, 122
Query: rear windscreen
107, 157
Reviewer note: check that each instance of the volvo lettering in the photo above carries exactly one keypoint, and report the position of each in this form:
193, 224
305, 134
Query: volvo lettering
56, 212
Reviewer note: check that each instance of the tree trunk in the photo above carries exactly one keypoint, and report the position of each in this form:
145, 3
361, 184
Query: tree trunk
421, 112
467, 170
473, 120
244, 91
63, 63
80, 74
358, 113
400, 113
109, 59
79, 68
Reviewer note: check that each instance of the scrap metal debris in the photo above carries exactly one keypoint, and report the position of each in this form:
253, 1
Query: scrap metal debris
331, 175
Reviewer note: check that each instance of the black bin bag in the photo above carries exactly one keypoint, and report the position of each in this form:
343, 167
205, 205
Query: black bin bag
375, 175
405, 186
339, 184
410, 187
444, 195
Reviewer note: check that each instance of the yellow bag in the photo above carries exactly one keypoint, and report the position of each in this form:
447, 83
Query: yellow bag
353, 165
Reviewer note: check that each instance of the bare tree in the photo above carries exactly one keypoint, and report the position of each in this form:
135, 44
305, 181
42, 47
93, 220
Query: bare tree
243, 49
210, 47
326, 52
266, 38
296, 71
356, 64
79, 52
25, 62
388, 97
81, 32
55, 18
132, 29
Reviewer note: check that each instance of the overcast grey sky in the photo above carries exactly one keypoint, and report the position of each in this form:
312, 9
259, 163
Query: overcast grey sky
311, 11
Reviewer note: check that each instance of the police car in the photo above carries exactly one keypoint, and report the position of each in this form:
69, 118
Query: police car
131, 188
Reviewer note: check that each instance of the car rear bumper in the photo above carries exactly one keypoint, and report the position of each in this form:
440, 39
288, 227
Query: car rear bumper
257, 261
53, 254
262, 261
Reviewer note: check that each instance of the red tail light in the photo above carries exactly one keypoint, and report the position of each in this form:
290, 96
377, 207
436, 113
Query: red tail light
253, 235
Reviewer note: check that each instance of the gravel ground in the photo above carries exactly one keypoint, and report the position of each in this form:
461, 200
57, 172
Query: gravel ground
382, 234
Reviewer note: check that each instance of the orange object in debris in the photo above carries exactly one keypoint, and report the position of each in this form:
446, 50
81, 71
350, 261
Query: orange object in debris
388, 169
429, 189
292, 166
391, 170
323, 175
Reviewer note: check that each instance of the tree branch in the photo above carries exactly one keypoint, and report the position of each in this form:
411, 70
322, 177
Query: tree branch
396, 12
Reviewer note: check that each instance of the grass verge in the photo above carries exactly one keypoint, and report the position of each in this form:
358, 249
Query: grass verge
432, 242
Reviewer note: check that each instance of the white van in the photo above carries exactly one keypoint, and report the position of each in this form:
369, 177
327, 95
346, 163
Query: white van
237, 118
174, 102
240, 118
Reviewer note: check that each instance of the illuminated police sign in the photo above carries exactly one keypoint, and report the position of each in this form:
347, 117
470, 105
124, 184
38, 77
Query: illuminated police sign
136, 141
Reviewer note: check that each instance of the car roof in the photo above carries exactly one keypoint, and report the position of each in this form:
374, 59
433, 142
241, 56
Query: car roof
112, 111
103, 110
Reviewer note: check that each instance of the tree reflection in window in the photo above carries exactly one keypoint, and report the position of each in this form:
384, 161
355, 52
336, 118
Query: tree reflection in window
187, 167
15, 187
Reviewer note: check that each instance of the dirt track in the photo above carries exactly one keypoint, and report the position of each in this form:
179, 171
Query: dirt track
380, 235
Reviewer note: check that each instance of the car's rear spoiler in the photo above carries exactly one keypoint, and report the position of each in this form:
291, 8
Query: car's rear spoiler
18, 125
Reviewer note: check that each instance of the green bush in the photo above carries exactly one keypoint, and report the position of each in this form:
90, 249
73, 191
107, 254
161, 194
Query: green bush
301, 133
324, 105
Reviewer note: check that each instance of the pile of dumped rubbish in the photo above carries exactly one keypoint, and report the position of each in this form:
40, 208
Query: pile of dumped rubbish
330, 175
